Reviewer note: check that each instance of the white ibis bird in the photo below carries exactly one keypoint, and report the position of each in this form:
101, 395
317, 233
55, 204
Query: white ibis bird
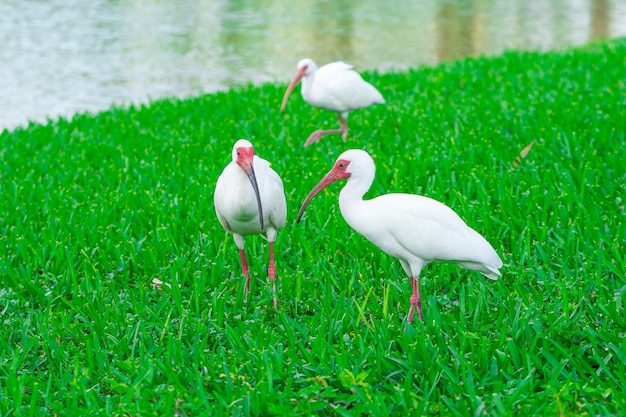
335, 86
415, 229
250, 199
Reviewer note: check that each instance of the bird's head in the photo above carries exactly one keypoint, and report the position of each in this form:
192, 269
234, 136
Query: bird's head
305, 67
243, 155
353, 163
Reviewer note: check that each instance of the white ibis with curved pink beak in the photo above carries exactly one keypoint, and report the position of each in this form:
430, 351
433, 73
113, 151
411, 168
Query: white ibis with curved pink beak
415, 229
336, 87
250, 199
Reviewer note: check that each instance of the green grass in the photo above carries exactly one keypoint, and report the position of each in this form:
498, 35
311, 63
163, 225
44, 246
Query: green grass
95, 208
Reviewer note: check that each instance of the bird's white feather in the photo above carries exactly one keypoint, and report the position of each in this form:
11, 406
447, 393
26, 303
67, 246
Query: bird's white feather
410, 227
337, 87
235, 203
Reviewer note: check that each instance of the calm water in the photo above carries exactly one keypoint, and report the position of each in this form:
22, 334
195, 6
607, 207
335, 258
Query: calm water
59, 57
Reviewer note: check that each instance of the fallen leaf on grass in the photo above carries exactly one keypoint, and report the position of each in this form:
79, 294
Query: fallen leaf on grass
523, 153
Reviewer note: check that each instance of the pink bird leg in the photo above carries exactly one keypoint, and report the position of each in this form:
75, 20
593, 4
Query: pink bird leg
416, 301
315, 136
245, 271
272, 273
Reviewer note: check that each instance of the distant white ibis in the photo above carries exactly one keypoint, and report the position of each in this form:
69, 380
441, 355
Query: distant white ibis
250, 199
415, 229
335, 86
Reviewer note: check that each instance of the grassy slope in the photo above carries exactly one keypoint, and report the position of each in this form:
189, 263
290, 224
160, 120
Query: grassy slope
94, 209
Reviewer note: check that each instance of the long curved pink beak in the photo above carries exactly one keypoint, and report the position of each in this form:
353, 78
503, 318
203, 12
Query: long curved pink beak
332, 176
292, 85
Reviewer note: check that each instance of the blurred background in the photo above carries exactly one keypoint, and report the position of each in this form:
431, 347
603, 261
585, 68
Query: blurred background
59, 57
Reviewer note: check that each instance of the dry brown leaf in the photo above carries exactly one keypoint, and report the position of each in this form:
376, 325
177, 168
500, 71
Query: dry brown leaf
523, 153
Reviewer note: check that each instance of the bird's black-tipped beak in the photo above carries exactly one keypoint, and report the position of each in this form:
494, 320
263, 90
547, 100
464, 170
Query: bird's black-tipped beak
246, 162
255, 186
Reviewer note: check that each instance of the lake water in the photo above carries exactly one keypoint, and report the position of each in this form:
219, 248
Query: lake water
59, 57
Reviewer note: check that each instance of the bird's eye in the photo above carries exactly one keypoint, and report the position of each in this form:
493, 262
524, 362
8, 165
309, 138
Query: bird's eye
342, 165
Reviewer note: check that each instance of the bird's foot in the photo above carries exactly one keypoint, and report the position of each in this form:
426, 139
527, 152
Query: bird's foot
412, 314
416, 304
315, 137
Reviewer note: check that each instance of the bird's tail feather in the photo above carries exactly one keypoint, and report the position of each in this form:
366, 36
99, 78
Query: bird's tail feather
489, 271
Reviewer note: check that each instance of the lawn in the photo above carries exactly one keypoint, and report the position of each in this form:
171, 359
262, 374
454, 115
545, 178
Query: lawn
96, 208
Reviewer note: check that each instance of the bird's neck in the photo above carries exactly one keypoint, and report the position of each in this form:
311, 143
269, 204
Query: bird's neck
353, 192
307, 86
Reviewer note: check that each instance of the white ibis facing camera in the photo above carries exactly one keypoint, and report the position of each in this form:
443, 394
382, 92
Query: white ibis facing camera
336, 87
249, 199
415, 229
